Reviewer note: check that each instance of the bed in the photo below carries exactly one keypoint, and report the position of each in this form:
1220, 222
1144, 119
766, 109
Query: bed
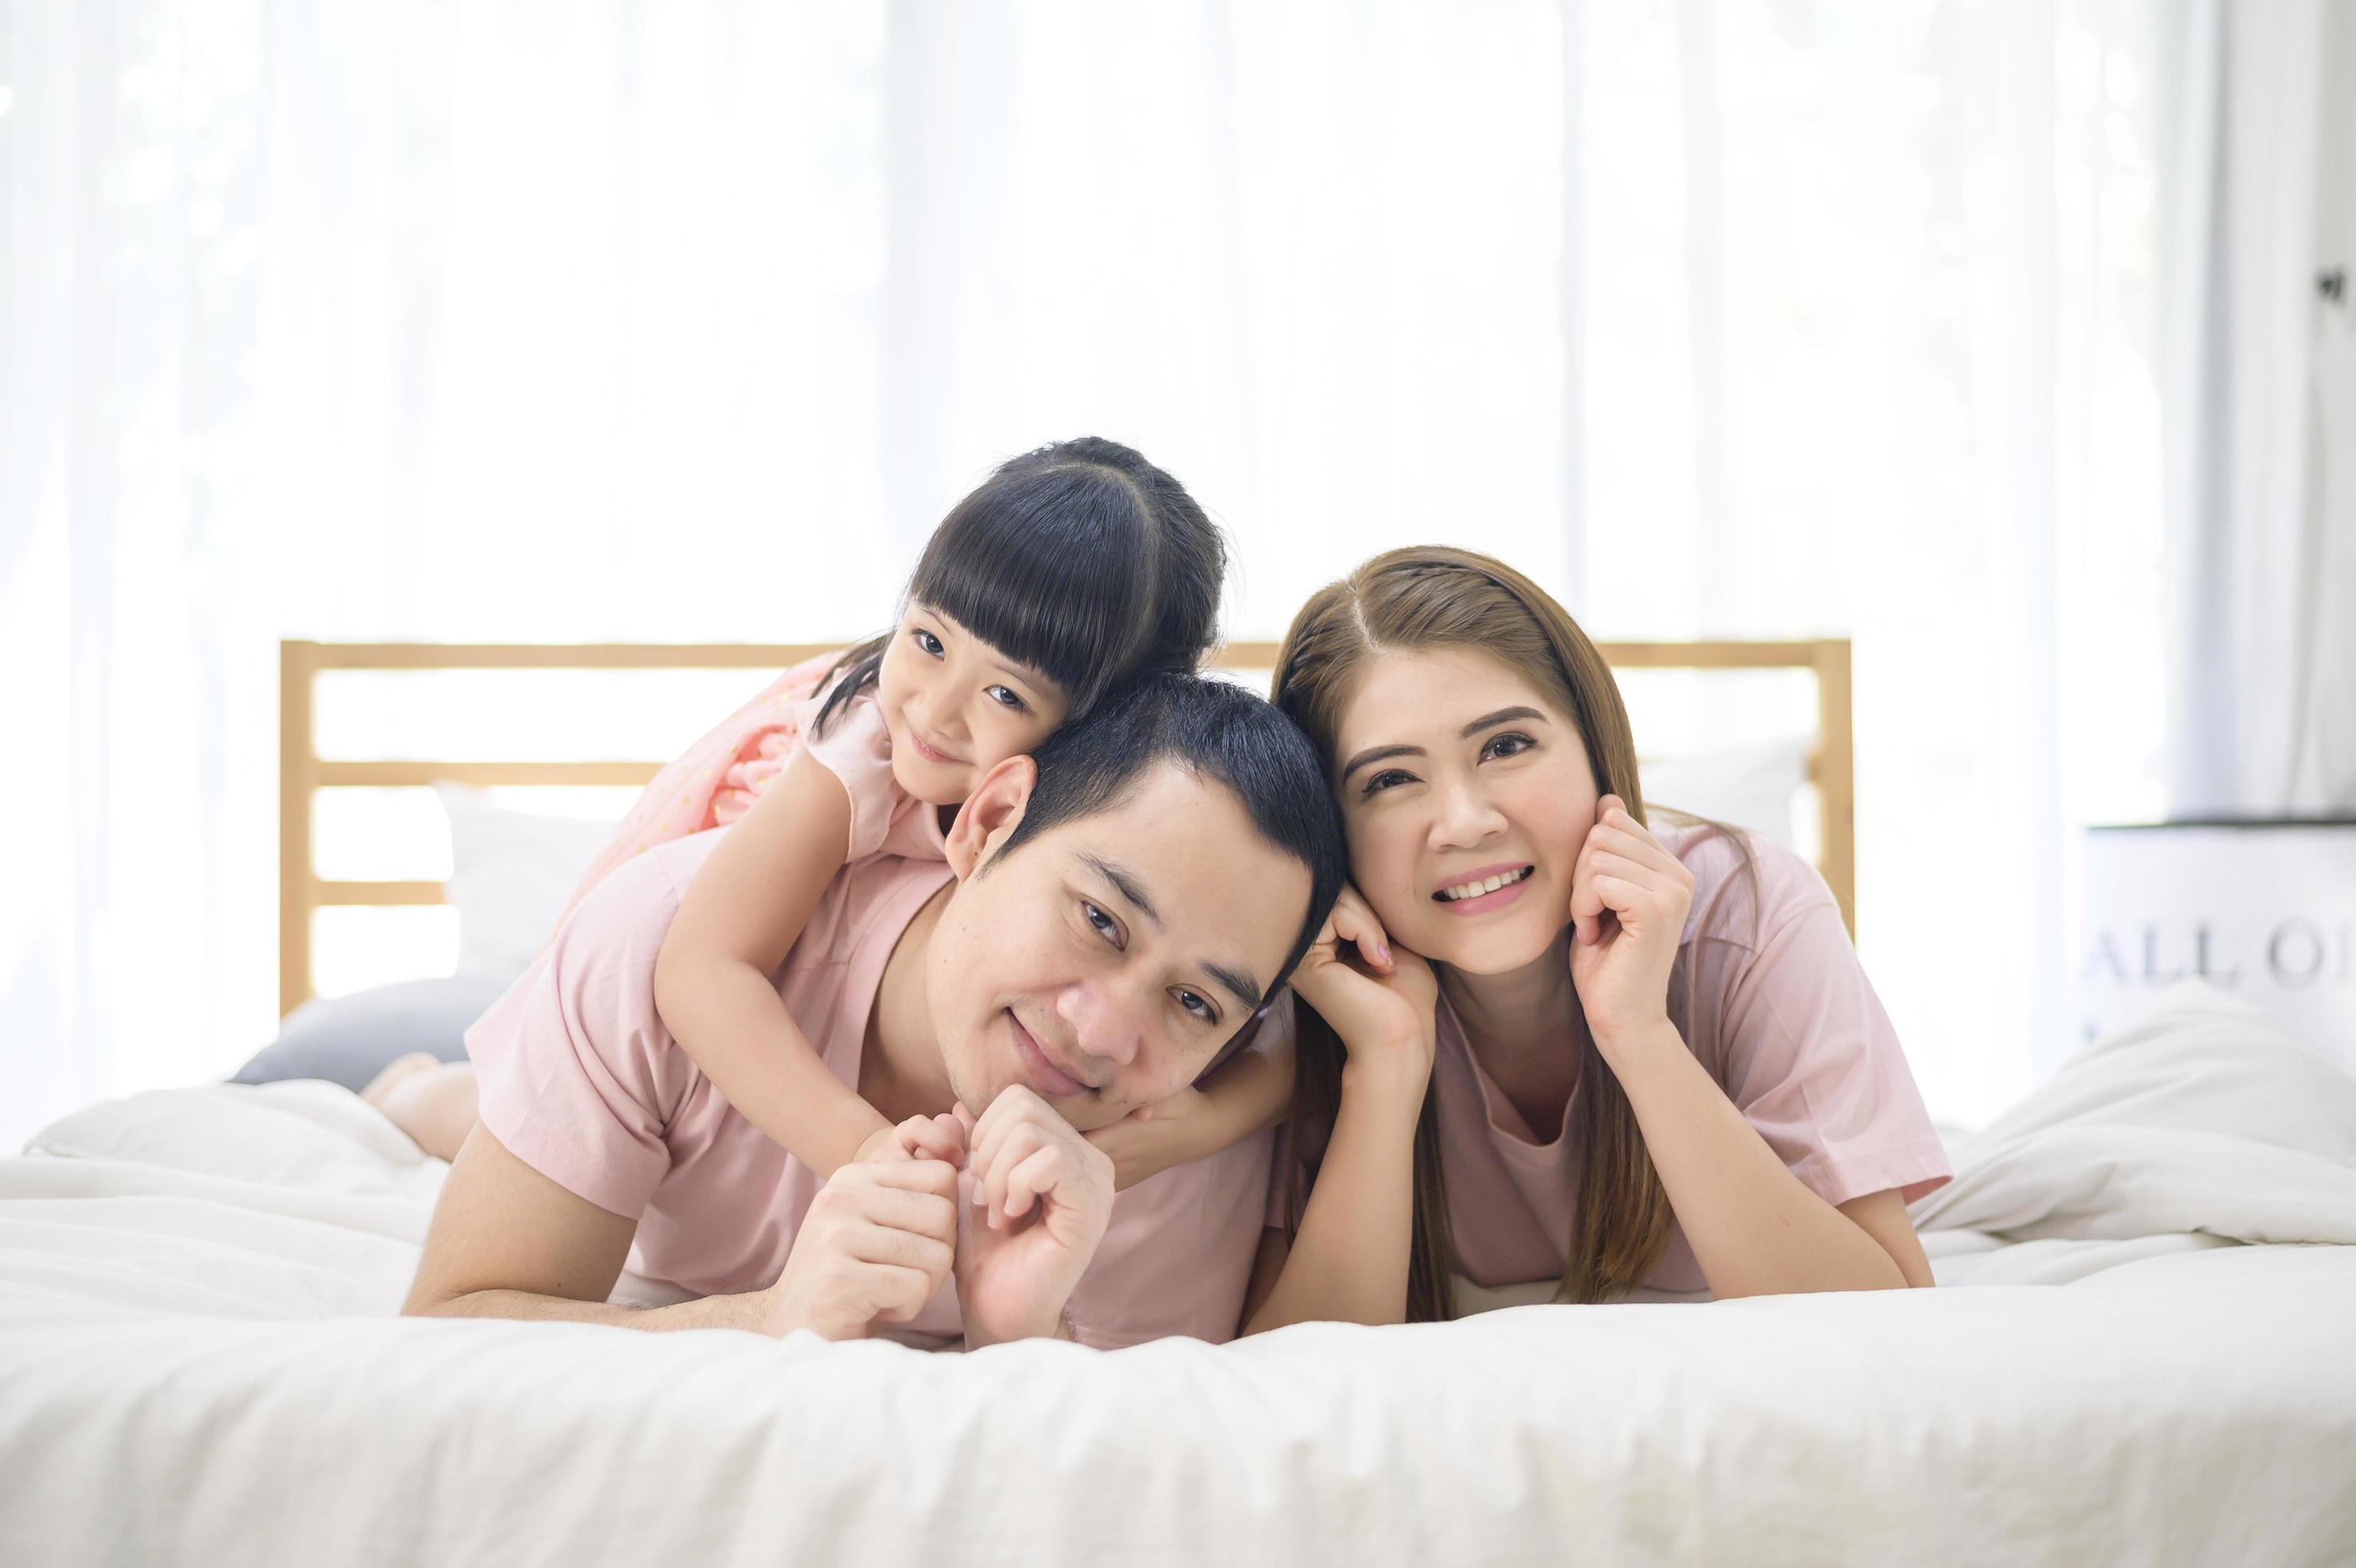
2140, 1351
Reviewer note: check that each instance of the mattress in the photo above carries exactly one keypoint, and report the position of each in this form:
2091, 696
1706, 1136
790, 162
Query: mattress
2139, 1349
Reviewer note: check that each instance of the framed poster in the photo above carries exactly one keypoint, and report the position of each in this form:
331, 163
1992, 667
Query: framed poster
2264, 909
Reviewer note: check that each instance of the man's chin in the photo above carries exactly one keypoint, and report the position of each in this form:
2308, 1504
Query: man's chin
1088, 1114
1084, 1112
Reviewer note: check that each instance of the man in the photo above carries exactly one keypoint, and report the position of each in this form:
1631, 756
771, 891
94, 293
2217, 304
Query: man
1113, 913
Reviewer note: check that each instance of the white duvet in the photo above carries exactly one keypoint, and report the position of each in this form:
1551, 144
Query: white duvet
2147, 1352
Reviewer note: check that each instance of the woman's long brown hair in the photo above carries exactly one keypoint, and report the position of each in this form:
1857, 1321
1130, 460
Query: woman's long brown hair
1431, 597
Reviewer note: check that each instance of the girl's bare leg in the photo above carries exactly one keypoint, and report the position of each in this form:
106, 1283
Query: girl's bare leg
429, 1099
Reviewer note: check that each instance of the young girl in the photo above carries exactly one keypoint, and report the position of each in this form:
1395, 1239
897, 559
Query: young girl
1070, 568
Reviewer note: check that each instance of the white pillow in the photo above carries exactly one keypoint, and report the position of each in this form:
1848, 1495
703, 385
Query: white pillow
1753, 786
510, 873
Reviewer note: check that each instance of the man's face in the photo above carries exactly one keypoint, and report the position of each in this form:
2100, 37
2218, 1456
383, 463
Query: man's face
1106, 961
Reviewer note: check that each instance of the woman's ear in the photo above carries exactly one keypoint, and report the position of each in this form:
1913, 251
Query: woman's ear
991, 814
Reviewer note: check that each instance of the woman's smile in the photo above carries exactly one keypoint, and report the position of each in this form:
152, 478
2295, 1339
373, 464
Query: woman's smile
1490, 888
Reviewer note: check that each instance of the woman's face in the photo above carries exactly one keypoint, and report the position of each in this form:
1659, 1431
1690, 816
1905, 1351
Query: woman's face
1467, 795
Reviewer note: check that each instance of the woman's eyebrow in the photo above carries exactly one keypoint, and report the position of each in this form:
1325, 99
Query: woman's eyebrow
1487, 721
1379, 754
1503, 716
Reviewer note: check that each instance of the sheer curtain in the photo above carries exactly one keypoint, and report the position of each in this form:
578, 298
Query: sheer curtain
2261, 396
1871, 349
686, 321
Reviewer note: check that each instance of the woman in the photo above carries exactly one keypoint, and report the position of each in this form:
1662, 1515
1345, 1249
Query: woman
1549, 1041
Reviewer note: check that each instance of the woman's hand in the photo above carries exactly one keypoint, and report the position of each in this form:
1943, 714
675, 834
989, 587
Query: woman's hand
1381, 1002
1628, 903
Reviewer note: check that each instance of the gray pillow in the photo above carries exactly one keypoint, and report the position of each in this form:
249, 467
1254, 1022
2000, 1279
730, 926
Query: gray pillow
349, 1039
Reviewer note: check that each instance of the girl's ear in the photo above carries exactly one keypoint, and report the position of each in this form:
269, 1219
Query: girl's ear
989, 815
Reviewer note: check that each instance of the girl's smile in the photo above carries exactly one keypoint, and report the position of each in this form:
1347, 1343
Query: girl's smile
979, 707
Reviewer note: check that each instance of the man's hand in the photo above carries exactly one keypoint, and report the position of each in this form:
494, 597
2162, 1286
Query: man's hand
877, 1243
1034, 1205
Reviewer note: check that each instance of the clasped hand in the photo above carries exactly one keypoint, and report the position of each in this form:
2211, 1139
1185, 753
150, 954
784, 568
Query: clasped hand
1014, 1202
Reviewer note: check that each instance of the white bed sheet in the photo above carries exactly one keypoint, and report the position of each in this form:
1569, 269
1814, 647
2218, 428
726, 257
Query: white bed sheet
198, 1363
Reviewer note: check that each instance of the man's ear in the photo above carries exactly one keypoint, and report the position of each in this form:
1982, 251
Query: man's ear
991, 814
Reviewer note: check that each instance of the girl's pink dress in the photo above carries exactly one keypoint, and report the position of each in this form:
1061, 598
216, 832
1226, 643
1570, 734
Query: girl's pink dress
718, 778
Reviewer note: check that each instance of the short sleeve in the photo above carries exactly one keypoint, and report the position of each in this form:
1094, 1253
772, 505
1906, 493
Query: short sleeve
856, 749
577, 1076
1808, 1054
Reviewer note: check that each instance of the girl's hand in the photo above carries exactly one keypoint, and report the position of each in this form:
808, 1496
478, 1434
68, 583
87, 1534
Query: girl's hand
1380, 1001
1152, 1138
1628, 903
918, 1138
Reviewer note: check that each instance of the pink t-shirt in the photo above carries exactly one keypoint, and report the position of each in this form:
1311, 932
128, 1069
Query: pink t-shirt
718, 778
857, 749
580, 1079
1784, 1019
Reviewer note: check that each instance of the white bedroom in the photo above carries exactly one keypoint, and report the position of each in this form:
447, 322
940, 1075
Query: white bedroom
1497, 780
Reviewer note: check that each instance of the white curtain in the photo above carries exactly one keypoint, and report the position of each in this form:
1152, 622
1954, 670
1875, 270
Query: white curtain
685, 321
2263, 562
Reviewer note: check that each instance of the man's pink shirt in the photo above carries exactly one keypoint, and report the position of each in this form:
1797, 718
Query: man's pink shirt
580, 1080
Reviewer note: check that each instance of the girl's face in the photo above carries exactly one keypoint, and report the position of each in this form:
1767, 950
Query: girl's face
956, 706
1467, 794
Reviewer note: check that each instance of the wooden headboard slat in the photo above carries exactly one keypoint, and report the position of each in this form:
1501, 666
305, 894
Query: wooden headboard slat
302, 773
416, 775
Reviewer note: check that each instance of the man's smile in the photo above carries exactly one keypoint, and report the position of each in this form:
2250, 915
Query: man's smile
1045, 1074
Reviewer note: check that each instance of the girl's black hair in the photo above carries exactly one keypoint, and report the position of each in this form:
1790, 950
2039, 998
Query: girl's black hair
1080, 559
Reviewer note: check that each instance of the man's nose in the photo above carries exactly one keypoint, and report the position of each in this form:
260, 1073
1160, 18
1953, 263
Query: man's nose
1106, 1021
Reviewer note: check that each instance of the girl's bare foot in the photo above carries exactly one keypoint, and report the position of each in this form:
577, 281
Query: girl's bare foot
431, 1099
394, 1071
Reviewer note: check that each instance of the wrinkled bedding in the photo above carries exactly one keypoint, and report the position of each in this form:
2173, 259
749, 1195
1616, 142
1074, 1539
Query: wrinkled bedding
2141, 1350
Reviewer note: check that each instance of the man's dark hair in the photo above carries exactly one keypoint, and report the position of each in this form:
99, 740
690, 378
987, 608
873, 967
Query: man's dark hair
1216, 729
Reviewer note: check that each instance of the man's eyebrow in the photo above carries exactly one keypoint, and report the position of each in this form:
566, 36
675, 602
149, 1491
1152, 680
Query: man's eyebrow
1246, 989
1124, 882
1503, 716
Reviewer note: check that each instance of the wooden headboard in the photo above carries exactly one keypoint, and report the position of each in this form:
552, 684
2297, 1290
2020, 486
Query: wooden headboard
302, 773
